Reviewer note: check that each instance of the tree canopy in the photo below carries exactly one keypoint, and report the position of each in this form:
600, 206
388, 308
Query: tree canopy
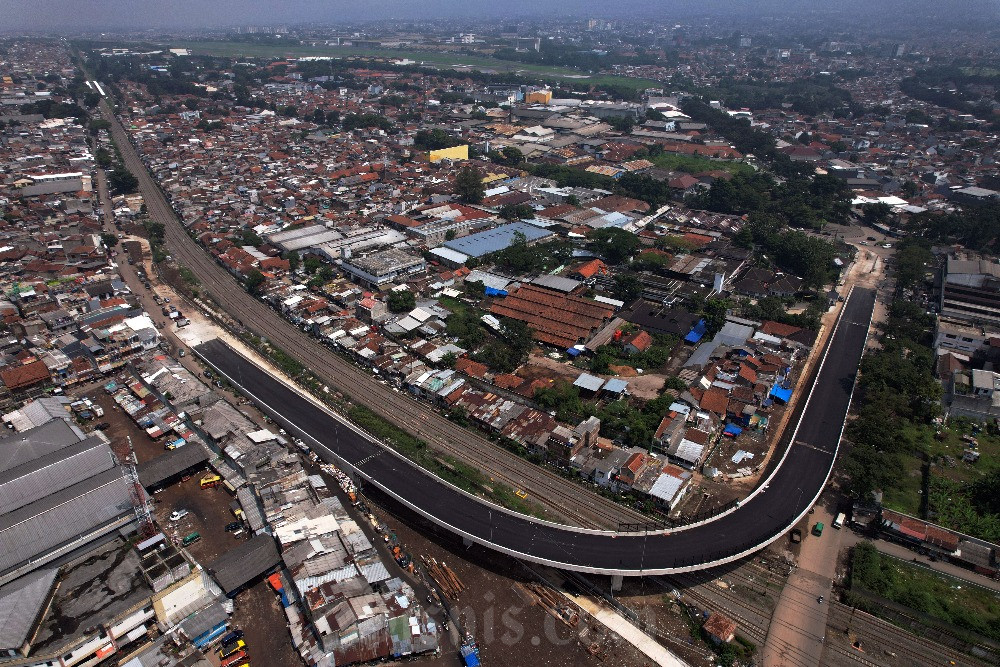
401, 301
121, 181
613, 244
469, 185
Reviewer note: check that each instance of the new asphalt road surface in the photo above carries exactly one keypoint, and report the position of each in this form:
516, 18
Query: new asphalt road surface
765, 515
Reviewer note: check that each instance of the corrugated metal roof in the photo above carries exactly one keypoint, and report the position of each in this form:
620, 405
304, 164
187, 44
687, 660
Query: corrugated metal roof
18, 448
374, 572
666, 487
247, 560
205, 620
55, 471
588, 382
34, 529
557, 283
20, 604
493, 240
251, 508
173, 462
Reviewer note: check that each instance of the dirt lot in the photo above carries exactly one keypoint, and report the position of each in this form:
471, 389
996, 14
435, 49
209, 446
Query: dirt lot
509, 630
646, 386
260, 616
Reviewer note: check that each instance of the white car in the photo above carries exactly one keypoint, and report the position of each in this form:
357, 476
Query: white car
177, 515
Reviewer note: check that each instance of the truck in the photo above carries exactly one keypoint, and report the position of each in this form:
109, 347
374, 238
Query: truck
818, 529
838, 523
191, 539
210, 481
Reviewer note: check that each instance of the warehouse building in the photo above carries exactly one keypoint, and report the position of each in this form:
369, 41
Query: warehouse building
383, 268
496, 239
557, 319
59, 491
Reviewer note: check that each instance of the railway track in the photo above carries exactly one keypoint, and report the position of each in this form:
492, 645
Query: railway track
564, 500
889, 645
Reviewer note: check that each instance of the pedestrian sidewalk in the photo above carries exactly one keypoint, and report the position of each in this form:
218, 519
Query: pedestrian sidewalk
627, 631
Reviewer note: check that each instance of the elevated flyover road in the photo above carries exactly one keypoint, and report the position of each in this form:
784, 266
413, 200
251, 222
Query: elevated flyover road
771, 510
560, 498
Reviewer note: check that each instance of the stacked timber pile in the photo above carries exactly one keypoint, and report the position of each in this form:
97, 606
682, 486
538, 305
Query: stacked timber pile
444, 577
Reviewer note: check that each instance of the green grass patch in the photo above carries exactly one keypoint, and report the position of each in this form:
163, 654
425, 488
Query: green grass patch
421, 57
694, 164
952, 601
456, 306
448, 468
905, 496
187, 275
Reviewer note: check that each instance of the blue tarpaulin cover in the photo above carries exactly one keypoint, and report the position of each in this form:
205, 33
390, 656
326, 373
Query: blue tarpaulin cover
732, 430
572, 351
493, 291
696, 333
781, 393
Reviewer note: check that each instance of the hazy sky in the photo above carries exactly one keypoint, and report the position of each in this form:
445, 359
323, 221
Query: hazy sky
111, 14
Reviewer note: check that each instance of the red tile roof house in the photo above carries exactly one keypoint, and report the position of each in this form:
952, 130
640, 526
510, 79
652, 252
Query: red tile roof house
720, 629
638, 342
627, 475
18, 378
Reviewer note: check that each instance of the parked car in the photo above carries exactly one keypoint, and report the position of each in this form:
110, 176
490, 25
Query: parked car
102, 426
232, 637
233, 525
210, 481
796, 536
177, 515
191, 539
231, 649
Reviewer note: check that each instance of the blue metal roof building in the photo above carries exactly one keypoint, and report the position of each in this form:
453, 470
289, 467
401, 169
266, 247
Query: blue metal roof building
496, 239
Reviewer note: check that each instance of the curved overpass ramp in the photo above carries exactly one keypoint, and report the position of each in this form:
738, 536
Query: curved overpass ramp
768, 513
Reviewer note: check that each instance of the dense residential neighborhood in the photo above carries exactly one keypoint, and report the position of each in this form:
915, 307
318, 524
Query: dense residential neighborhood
628, 283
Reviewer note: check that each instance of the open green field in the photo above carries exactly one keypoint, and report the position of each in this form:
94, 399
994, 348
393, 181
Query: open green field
949, 478
695, 164
949, 600
428, 58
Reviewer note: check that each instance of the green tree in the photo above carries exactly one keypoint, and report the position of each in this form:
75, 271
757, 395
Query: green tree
254, 281
98, 124
109, 240
250, 237
627, 287
312, 264
621, 123
448, 360
876, 214
469, 185
102, 156
401, 300
293, 260
675, 383
714, 312
516, 212
122, 182
518, 256
613, 244
432, 140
